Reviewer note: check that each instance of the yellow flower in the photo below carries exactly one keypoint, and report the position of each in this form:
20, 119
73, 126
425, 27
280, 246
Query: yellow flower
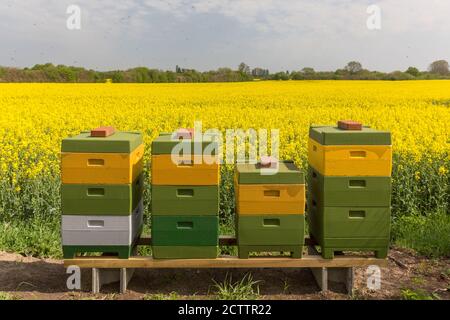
417, 175
443, 171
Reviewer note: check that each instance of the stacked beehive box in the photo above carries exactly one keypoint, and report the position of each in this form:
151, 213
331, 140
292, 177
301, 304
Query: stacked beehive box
185, 197
349, 188
101, 192
270, 207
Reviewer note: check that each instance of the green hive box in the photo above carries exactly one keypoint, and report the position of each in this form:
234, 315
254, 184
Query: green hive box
288, 173
164, 144
123, 252
271, 229
185, 252
119, 142
185, 230
185, 200
350, 228
100, 199
349, 191
328, 135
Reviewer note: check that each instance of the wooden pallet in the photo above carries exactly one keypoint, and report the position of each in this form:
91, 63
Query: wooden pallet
106, 269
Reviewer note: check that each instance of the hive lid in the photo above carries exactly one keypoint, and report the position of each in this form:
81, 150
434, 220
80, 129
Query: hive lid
118, 142
329, 135
165, 143
287, 173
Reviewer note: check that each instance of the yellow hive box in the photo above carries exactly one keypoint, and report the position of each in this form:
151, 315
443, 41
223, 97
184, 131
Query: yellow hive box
185, 171
350, 160
254, 199
101, 168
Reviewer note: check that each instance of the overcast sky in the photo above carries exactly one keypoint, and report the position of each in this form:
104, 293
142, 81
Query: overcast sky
207, 34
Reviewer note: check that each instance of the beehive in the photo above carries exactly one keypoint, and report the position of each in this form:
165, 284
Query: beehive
349, 183
101, 192
270, 206
185, 196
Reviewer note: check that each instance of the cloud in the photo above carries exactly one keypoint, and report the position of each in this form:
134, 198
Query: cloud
275, 33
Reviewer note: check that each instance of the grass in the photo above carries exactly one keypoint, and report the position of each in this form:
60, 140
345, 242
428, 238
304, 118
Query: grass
161, 296
35, 237
417, 294
6, 296
245, 289
428, 235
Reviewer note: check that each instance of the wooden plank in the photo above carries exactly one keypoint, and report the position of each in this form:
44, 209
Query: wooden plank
225, 240
225, 262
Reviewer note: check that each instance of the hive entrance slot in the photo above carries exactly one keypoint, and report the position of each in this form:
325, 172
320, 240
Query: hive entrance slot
96, 223
358, 154
271, 193
357, 183
96, 162
96, 191
271, 222
185, 163
357, 214
185, 192
185, 225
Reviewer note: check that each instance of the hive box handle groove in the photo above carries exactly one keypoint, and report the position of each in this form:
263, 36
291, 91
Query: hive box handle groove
358, 154
188, 163
357, 183
96, 223
271, 222
96, 162
271, 193
185, 225
185, 192
96, 192
357, 214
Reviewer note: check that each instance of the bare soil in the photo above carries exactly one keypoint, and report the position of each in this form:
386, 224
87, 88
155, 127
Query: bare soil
33, 278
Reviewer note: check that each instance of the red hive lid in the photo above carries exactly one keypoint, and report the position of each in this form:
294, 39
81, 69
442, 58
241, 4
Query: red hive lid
103, 132
349, 125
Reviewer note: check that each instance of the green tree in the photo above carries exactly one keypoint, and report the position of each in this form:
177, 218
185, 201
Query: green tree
413, 71
353, 67
440, 67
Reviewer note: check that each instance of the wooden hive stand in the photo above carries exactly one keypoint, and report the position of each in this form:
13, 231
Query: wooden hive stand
107, 269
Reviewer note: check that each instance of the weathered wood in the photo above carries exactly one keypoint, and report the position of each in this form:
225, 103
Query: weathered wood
321, 277
125, 278
225, 262
101, 277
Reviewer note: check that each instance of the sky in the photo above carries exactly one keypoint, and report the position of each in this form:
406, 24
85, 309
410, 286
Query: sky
206, 34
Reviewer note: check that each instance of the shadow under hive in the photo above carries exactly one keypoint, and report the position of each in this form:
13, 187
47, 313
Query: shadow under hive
101, 192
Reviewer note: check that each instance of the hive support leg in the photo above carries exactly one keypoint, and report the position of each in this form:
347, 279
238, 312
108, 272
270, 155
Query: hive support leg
343, 276
321, 277
95, 281
243, 252
101, 277
125, 278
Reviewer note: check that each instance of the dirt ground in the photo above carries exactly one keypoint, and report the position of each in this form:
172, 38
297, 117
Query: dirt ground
32, 278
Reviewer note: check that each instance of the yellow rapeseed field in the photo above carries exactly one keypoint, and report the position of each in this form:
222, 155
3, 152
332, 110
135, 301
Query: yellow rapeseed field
35, 117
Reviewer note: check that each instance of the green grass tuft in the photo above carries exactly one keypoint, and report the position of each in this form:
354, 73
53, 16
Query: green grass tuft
245, 289
428, 235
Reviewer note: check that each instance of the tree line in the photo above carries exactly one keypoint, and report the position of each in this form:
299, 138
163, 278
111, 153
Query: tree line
352, 71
